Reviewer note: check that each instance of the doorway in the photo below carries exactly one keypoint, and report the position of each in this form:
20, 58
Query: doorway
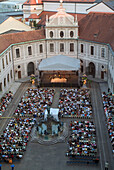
30, 68
92, 69
19, 74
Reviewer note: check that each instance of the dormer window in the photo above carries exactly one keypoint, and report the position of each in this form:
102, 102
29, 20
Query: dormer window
61, 34
71, 33
51, 34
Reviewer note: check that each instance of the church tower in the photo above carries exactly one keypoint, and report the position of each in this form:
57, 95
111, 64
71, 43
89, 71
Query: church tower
32, 7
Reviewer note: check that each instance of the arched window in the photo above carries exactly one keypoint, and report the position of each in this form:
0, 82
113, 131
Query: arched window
61, 34
71, 33
82, 48
92, 50
41, 48
51, 34
29, 50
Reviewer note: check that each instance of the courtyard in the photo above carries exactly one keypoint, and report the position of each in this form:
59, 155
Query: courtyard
53, 156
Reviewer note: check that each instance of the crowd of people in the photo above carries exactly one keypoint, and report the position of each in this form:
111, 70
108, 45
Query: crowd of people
34, 102
82, 141
4, 101
75, 102
14, 139
108, 104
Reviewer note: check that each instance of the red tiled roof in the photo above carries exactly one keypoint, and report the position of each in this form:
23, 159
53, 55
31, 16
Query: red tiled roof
98, 27
7, 39
21, 19
43, 14
33, 16
69, 1
30, 2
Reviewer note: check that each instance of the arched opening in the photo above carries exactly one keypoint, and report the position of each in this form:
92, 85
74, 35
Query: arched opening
30, 68
92, 69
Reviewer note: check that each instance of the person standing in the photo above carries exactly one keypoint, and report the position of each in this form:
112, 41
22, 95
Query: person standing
106, 165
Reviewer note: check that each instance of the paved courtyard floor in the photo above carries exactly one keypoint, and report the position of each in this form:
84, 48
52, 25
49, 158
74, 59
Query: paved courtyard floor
40, 157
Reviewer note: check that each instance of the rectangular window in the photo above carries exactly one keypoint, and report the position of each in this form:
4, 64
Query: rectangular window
3, 63
92, 50
17, 53
103, 52
0, 86
9, 56
6, 60
29, 50
41, 48
4, 82
82, 48
71, 47
8, 77
11, 74
61, 47
51, 47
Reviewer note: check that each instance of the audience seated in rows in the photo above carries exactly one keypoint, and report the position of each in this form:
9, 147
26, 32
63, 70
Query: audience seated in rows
109, 113
75, 102
82, 141
34, 102
4, 101
14, 139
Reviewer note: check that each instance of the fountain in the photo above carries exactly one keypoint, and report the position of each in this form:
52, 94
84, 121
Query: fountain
50, 129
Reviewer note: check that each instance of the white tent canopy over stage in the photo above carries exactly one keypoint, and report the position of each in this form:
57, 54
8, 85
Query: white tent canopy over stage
60, 62
54, 112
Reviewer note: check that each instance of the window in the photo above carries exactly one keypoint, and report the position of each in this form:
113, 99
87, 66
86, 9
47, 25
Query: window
3, 63
29, 50
4, 82
61, 34
92, 50
11, 74
6, 60
0, 86
61, 47
82, 48
71, 33
51, 47
41, 48
51, 34
17, 53
8, 77
71, 47
103, 52
9, 56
